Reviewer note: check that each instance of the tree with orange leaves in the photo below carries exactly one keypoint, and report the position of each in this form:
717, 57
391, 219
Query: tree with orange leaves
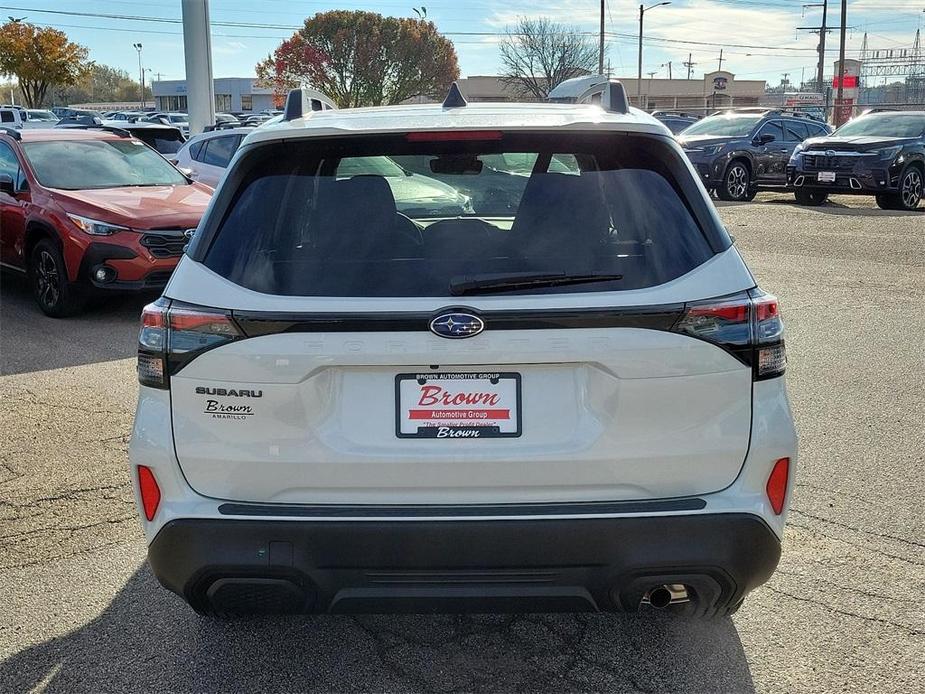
38, 58
363, 59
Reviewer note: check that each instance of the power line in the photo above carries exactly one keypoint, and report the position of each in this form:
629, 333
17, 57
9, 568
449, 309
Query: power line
288, 27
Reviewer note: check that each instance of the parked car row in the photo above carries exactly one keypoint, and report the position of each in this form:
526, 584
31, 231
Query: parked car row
88, 178
738, 153
91, 210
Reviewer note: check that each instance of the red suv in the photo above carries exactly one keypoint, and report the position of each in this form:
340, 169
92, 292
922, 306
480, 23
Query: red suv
91, 210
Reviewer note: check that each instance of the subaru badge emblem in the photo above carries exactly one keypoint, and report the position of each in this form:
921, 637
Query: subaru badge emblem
830, 153
456, 325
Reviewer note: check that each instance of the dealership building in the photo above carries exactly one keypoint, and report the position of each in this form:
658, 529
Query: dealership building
230, 93
713, 90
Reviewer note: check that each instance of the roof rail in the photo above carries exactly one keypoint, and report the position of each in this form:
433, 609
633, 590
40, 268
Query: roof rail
592, 89
121, 132
798, 111
683, 114
226, 126
12, 132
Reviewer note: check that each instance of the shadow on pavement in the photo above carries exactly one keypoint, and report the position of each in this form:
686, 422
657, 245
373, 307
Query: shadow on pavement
147, 640
31, 341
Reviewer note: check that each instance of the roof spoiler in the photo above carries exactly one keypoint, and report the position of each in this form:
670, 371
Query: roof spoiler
299, 103
593, 89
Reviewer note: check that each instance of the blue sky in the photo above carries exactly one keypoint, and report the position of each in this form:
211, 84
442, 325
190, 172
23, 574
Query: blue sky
769, 43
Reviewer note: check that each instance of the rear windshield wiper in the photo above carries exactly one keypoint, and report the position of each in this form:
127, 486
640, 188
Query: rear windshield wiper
489, 283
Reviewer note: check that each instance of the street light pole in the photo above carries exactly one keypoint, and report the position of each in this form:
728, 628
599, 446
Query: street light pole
141, 75
642, 11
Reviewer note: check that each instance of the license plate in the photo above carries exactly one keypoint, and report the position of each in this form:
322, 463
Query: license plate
458, 405
826, 177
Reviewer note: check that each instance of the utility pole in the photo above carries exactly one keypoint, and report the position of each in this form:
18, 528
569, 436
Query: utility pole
669, 69
841, 67
820, 70
689, 64
141, 75
600, 56
720, 59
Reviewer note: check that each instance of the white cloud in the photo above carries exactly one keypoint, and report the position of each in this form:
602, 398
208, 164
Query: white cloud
228, 47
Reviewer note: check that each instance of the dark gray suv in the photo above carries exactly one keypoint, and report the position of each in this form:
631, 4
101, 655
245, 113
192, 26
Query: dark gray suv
737, 153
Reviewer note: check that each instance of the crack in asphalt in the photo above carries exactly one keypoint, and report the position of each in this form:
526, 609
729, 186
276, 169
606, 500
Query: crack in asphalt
67, 528
66, 495
65, 555
846, 613
34, 399
866, 548
388, 643
850, 589
886, 536
837, 492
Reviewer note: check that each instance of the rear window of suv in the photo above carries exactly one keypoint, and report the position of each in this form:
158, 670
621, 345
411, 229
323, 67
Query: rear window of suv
423, 216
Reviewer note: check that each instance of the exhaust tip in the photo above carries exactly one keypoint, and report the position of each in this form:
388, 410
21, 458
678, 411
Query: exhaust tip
855, 184
662, 596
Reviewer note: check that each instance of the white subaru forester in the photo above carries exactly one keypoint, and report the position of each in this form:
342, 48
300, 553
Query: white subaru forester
568, 395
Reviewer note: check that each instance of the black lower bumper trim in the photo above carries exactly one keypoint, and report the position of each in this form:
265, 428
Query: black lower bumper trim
470, 510
243, 566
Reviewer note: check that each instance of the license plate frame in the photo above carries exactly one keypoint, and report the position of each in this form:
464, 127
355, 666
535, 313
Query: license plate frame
508, 388
825, 177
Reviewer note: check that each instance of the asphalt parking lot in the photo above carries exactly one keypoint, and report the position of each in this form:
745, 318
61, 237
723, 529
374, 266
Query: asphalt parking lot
79, 610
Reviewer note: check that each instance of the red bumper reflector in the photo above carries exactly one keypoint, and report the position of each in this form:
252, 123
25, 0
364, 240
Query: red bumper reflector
777, 484
150, 492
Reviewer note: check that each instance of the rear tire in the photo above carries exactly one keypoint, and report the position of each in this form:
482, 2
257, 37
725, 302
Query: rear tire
810, 198
736, 184
53, 292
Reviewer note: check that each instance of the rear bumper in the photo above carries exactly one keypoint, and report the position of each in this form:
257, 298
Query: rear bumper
560, 564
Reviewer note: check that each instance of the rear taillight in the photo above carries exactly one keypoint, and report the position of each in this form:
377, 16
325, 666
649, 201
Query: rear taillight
747, 325
173, 334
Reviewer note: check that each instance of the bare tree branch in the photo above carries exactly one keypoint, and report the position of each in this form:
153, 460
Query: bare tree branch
539, 54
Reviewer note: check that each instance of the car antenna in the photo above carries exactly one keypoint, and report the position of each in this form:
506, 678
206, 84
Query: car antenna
455, 98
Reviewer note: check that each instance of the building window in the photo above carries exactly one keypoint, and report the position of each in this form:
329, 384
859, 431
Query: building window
247, 102
171, 103
222, 102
